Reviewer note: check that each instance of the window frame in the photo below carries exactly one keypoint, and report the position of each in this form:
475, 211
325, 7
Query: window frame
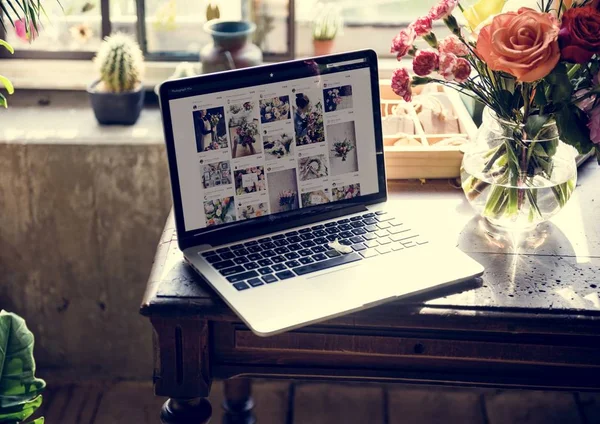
142, 39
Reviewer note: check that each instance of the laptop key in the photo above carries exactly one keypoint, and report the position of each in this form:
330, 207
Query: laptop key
251, 243
222, 250
291, 233
369, 236
267, 253
384, 240
223, 264
319, 249
380, 213
358, 224
236, 246
346, 234
371, 228
346, 242
331, 224
308, 243
345, 227
284, 275
242, 260
233, 270
305, 252
269, 278
383, 225
241, 286
241, 252
397, 246
356, 239
398, 230
281, 250
319, 257
306, 260
358, 246
213, 258
304, 230
370, 221
250, 266
292, 255
368, 215
294, 239
281, 242
317, 227
227, 255
278, 237
255, 282
321, 240
254, 256
384, 249
386, 217
408, 243
264, 239
279, 267
265, 271
356, 218
359, 231
295, 246
268, 245
332, 237
368, 253
395, 222
333, 253
277, 259
371, 243
243, 276
307, 236
254, 249
265, 262
209, 253
330, 263
343, 221
320, 233
382, 233
332, 230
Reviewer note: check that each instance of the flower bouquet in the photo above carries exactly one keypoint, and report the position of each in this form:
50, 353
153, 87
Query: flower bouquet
247, 132
280, 147
214, 119
287, 199
342, 148
275, 109
313, 122
536, 71
346, 192
333, 99
218, 211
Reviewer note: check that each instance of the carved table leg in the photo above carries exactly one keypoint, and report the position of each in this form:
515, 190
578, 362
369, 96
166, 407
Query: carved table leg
186, 411
238, 402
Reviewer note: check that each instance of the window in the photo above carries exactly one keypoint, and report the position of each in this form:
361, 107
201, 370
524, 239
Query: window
172, 29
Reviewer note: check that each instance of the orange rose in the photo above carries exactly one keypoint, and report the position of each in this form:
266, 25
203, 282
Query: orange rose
523, 44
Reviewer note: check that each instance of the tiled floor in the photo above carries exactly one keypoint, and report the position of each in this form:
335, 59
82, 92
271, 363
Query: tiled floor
283, 402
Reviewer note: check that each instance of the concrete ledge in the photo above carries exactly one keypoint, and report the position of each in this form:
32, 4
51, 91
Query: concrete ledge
82, 208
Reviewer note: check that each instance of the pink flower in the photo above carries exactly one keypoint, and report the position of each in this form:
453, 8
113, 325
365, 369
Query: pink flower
401, 84
21, 31
462, 70
422, 26
586, 104
447, 64
403, 42
442, 9
594, 125
452, 44
425, 62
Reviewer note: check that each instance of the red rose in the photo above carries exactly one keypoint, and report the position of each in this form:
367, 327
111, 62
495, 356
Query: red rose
401, 84
579, 35
425, 62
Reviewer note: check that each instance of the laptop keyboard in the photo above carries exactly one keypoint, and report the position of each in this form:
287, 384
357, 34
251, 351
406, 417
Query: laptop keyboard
283, 256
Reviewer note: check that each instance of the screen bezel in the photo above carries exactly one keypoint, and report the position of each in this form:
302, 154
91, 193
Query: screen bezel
266, 74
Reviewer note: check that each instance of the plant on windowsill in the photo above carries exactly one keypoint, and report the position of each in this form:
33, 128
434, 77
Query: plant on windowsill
118, 96
20, 390
326, 25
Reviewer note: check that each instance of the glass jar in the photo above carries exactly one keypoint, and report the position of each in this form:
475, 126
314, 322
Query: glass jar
514, 181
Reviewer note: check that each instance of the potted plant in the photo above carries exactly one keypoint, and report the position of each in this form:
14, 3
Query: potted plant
326, 26
118, 96
20, 390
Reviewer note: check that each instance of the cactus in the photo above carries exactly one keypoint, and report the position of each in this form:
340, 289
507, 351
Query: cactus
121, 63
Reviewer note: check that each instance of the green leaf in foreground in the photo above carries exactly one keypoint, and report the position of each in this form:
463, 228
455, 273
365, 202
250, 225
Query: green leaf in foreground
572, 124
20, 390
7, 84
534, 125
3, 102
7, 46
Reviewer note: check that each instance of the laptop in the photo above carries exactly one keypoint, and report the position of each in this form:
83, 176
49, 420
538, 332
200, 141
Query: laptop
279, 193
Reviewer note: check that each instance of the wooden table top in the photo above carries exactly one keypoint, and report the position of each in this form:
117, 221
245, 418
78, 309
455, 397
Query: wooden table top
552, 275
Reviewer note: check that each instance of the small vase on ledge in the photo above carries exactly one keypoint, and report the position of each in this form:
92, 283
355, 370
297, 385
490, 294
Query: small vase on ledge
231, 47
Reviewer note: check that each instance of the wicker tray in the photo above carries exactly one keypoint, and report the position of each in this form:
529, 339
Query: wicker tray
427, 156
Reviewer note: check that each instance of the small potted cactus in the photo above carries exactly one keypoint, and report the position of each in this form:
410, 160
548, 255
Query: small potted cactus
326, 25
118, 96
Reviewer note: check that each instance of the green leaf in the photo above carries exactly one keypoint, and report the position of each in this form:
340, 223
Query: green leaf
534, 125
3, 102
572, 124
540, 96
560, 84
7, 46
598, 155
39, 420
19, 388
7, 84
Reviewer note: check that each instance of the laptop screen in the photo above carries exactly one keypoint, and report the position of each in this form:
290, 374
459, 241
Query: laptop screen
263, 149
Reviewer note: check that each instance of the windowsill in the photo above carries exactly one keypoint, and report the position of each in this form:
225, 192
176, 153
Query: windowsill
30, 74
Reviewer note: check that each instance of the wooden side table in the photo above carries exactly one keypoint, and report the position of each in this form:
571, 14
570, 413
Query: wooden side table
533, 321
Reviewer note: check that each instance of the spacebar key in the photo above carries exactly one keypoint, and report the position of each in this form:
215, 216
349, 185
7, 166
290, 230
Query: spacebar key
330, 263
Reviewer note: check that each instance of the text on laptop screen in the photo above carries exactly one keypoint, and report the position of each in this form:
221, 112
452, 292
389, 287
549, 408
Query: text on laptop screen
273, 148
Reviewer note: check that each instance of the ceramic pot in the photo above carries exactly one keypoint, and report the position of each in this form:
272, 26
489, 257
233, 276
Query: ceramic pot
231, 47
116, 108
322, 47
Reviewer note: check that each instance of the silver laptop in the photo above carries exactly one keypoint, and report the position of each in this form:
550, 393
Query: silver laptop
279, 193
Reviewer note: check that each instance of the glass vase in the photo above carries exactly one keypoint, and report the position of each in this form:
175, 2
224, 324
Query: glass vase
515, 181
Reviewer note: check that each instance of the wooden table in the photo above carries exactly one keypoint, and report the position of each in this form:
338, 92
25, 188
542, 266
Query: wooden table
533, 321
